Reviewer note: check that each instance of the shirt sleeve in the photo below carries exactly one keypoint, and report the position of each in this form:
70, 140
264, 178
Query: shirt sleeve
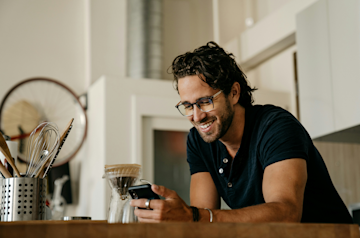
283, 138
194, 158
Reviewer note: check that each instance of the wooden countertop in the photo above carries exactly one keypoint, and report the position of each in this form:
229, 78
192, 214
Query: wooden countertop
98, 229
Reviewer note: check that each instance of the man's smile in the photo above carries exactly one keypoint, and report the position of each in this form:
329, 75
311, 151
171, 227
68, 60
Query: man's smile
206, 127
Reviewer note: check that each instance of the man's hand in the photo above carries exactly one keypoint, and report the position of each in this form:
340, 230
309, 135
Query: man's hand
173, 208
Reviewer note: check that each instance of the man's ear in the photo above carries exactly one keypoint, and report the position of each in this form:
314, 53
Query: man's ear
235, 93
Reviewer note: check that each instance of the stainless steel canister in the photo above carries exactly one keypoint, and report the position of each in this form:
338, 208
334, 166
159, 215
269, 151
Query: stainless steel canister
23, 199
69, 218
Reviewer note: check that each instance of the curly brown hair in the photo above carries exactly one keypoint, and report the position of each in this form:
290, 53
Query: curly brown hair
215, 67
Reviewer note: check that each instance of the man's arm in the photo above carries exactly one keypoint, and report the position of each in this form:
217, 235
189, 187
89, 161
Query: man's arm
203, 192
283, 189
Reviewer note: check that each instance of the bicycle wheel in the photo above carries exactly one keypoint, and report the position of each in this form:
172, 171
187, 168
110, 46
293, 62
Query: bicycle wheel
37, 100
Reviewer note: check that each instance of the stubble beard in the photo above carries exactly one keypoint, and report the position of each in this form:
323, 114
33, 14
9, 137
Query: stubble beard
223, 126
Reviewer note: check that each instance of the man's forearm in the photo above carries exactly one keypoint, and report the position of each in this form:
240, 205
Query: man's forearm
267, 212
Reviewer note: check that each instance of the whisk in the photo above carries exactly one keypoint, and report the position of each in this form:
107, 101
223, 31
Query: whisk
42, 147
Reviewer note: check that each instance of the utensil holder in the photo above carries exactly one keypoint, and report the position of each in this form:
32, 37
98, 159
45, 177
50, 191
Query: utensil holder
23, 199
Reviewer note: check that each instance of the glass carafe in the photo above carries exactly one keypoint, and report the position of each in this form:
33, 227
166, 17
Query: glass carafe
120, 178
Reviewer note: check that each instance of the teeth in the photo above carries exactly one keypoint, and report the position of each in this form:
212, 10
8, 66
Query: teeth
206, 125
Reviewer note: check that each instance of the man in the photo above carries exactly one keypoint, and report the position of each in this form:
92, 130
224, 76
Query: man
259, 159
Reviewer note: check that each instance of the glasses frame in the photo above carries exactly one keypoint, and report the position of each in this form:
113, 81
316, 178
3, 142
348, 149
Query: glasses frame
196, 103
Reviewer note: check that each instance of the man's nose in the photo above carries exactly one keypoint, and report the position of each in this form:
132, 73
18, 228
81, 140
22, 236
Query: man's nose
198, 114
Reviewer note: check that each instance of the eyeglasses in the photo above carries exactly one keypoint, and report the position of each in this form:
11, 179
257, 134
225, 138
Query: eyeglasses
204, 104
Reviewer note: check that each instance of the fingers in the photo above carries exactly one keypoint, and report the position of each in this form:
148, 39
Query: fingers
163, 191
155, 204
138, 202
144, 214
161, 209
173, 208
148, 215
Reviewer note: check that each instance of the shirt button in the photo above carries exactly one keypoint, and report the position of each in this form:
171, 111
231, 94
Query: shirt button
221, 170
229, 185
225, 160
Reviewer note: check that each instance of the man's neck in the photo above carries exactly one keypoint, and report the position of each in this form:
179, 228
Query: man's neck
233, 137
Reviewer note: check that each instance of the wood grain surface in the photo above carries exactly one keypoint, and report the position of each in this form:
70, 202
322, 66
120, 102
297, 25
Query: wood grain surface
343, 163
90, 229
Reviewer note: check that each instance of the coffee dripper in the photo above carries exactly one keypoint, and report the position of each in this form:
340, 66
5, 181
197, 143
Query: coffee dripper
120, 178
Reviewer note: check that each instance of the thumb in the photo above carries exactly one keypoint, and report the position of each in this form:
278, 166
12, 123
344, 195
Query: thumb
163, 191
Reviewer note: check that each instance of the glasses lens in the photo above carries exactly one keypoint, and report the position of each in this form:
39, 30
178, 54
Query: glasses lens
205, 104
186, 109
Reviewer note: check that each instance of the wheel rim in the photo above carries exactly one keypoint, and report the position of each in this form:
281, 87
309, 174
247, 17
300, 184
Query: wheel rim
35, 100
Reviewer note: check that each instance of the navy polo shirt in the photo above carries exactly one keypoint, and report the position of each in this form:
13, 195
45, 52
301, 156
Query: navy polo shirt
271, 134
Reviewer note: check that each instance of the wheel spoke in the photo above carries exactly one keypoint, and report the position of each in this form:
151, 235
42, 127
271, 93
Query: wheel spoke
40, 99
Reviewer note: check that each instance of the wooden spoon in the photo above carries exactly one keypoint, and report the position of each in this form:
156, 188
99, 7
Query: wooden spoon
6, 152
4, 171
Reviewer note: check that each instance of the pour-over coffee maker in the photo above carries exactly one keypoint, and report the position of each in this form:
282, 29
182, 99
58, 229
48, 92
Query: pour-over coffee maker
120, 178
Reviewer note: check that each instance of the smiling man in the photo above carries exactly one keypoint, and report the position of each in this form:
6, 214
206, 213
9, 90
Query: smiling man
259, 159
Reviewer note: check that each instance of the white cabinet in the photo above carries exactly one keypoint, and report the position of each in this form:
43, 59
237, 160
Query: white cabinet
344, 25
328, 42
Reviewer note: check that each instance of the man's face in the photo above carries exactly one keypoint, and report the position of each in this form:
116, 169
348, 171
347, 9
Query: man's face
211, 125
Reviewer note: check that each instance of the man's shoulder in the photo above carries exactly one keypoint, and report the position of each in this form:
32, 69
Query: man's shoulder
268, 109
269, 112
271, 119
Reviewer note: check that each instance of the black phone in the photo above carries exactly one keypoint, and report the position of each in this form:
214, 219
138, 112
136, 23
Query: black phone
142, 191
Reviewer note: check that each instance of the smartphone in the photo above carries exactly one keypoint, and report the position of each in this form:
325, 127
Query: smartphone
142, 191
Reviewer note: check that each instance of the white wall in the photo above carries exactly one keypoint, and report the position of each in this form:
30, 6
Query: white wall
42, 38
233, 13
107, 38
57, 39
262, 8
74, 42
276, 74
187, 25
231, 19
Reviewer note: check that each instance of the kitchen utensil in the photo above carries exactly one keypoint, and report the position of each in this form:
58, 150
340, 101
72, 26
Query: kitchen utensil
6, 152
35, 100
58, 202
68, 218
23, 199
120, 178
63, 137
45, 137
4, 171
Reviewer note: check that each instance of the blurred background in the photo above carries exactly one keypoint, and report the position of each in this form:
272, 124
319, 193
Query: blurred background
114, 56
